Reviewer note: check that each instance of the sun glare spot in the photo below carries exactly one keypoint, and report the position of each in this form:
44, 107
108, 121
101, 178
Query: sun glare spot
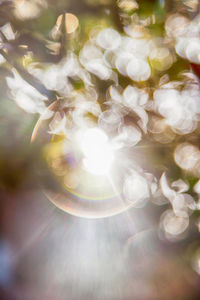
98, 154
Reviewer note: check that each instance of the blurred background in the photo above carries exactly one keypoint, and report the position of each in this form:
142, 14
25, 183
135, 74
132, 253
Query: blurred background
150, 252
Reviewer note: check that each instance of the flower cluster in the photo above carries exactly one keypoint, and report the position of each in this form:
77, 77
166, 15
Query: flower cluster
164, 112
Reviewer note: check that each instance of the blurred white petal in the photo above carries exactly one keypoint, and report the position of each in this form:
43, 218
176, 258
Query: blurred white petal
108, 39
110, 120
174, 225
186, 156
115, 94
122, 61
197, 187
180, 186
138, 70
143, 118
98, 67
136, 189
166, 190
131, 96
128, 136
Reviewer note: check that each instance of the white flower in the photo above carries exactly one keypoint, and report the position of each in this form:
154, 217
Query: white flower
26, 96
180, 109
181, 202
91, 57
55, 77
133, 99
